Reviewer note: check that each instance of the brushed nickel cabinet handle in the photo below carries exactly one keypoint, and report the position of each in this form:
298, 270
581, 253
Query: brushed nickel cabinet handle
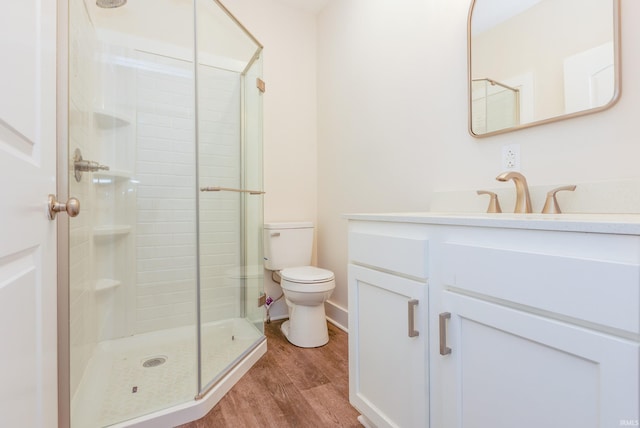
411, 309
443, 317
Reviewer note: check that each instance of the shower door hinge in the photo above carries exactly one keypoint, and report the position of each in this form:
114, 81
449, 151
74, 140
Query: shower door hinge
262, 300
260, 84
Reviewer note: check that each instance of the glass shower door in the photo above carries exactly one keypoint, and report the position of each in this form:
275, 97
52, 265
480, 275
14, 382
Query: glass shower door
132, 255
164, 278
229, 136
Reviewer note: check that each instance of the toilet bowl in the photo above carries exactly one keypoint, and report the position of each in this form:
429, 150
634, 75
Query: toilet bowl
287, 250
306, 288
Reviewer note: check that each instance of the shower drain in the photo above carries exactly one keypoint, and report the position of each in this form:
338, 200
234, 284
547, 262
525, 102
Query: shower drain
154, 361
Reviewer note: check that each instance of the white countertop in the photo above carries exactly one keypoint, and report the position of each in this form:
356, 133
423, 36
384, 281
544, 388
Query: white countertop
622, 224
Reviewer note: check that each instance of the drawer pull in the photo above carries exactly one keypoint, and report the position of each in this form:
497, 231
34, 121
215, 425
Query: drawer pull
443, 317
411, 306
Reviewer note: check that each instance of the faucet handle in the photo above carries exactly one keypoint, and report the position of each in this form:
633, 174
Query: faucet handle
494, 205
551, 204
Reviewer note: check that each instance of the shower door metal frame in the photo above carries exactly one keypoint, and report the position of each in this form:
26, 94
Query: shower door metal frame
203, 390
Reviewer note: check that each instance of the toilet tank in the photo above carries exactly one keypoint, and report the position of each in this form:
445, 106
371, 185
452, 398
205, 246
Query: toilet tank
287, 245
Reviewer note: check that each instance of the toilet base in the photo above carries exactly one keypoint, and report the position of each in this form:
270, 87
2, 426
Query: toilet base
306, 326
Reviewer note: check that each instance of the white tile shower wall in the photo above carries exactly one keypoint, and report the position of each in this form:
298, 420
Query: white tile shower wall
166, 224
219, 163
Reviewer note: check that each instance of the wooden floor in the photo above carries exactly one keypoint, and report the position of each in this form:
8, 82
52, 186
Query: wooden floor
289, 387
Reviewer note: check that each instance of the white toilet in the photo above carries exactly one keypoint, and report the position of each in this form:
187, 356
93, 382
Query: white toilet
287, 249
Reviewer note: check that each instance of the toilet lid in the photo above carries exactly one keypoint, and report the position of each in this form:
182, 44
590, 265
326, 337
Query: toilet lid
306, 274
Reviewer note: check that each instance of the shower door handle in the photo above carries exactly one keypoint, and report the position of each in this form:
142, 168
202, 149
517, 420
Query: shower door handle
230, 189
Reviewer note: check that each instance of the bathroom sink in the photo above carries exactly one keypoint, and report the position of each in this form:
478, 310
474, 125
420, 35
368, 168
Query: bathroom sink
624, 217
628, 224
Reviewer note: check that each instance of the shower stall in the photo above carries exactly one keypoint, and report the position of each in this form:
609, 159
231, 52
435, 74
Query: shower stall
164, 153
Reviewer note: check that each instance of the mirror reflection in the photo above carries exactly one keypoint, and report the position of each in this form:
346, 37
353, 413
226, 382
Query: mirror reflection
535, 61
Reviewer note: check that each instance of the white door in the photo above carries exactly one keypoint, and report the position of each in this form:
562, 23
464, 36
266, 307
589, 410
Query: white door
589, 79
28, 352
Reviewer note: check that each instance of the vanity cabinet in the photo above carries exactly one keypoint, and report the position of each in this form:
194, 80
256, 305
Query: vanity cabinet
388, 313
510, 368
530, 323
541, 333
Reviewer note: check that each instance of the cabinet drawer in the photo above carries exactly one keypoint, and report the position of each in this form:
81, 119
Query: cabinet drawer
596, 291
407, 256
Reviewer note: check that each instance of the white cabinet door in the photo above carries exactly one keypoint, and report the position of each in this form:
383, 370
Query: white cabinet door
28, 358
509, 368
388, 364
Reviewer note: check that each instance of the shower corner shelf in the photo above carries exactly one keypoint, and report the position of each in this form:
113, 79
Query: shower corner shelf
111, 230
106, 119
102, 177
105, 284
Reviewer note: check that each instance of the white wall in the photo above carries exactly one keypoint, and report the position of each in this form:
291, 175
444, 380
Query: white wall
376, 112
391, 116
290, 131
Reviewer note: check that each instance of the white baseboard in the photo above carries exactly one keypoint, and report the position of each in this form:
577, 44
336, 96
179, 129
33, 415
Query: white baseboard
366, 423
337, 315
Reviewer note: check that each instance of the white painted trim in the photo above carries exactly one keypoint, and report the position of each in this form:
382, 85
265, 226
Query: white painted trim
340, 326
337, 315
366, 423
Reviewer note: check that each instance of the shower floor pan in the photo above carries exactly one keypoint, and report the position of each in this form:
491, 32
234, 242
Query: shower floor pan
133, 376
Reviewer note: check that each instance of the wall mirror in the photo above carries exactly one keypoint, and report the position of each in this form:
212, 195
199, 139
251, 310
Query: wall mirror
536, 61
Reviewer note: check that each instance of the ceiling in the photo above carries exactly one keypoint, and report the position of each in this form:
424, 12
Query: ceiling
489, 13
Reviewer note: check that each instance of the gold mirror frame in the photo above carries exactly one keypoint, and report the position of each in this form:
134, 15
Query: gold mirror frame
614, 99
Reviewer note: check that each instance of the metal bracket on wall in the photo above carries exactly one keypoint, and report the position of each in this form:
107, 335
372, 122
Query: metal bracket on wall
260, 84
80, 165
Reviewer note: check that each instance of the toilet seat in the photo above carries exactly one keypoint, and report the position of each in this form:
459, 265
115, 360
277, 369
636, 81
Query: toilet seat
306, 275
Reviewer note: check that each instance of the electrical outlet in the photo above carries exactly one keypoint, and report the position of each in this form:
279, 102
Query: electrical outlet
511, 157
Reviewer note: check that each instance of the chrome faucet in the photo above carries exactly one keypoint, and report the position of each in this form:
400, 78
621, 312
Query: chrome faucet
523, 201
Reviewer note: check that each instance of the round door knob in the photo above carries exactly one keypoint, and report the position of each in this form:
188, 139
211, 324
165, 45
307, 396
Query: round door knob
72, 207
